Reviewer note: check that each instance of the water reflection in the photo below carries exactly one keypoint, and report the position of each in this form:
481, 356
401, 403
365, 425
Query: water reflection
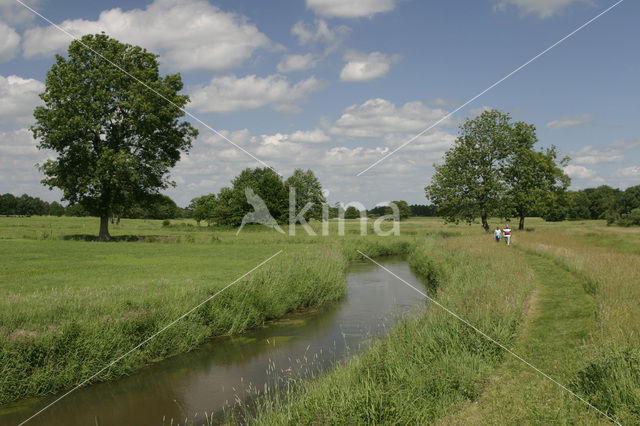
207, 379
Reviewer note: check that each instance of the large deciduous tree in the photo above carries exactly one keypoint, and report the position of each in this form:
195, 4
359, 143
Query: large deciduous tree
469, 183
116, 134
308, 190
533, 179
493, 168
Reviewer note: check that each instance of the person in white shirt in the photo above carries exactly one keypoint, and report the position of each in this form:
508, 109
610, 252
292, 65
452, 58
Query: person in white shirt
506, 231
497, 234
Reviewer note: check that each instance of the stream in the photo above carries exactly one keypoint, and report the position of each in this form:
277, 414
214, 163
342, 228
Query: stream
227, 369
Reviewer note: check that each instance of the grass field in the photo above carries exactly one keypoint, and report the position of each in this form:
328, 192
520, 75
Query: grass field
565, 296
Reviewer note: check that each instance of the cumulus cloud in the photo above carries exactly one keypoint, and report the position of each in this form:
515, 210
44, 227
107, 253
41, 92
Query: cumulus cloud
18, 157
590, 155
632, 172
350, 9
366, 67
335, 150
309, 136
542, 8
17, 15
297, 63
579, 172
320, 33
583, 120
375, 117
189, 35
18, 98
9, 43
230, 93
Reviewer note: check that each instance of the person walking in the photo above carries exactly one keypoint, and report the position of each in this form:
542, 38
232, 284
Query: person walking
497, 234
507, 234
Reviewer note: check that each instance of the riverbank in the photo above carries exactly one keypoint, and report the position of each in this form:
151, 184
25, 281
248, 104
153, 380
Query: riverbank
62, 320
70, 307
567, 306
430, 365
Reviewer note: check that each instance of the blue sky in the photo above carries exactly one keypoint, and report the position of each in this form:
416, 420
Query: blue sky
334, 86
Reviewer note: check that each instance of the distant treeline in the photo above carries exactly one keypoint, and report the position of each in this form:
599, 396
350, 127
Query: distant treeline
156, 207
405, 210
611, 204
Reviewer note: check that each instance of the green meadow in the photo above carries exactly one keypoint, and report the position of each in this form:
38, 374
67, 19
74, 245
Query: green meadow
564, 296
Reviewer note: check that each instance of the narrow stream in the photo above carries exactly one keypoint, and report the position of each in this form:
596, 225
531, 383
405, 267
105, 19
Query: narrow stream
224, 369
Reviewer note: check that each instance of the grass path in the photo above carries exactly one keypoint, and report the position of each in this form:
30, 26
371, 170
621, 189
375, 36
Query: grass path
553, 338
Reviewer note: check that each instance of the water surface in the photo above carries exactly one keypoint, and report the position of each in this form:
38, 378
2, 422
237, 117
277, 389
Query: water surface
229, 368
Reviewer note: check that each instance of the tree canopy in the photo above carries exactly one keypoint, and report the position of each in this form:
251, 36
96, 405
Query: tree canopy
492, 169
308, 190
230, 205
115, 137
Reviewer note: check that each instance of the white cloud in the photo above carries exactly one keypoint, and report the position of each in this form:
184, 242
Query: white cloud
375, 117
366, 67
442, 102
18, 157
189, 35
297, 63
350, 9
9, 42
590, 155
632, 172
17, 143
320, 33
18, 98
336, 151
583, 120
542, 8
309, 136
626, 144
480, 110
230, 93
17, 15
579, 172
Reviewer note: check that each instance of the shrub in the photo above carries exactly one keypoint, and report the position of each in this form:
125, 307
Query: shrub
630, 219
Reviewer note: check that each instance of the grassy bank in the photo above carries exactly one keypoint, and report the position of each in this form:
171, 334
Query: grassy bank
579, 324
427, 366
69, 306
554, 338
608, 373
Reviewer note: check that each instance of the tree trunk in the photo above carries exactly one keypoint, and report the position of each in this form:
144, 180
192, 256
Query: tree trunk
104, 229
485, 225
521, 224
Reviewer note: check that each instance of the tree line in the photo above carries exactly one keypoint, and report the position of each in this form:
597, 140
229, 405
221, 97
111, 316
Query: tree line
156, 207
611, 204
616, 206
229, 206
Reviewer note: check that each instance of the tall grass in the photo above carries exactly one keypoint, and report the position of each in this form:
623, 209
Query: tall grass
430, 364
69, 307
52, 338
611, 377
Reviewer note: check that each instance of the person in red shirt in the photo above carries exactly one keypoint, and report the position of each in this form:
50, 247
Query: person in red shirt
506, 231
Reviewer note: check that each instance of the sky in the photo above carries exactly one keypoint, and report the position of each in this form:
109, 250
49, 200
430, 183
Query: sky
334, 86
